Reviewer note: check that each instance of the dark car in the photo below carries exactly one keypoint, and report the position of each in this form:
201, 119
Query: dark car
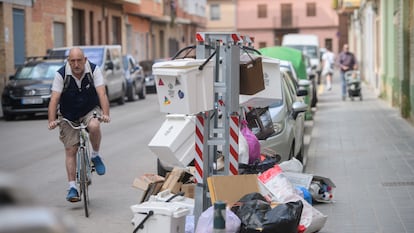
135, 78
29, 89
149, 77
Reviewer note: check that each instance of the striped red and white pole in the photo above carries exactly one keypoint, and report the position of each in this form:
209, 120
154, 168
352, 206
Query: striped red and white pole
234, 145
199, 148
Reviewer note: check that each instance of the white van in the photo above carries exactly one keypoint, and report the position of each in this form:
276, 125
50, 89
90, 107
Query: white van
109, 59
307, 43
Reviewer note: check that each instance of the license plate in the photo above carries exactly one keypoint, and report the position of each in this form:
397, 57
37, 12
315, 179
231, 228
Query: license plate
32, 101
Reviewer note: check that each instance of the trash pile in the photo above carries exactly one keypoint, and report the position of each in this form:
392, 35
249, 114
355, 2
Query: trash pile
279, 198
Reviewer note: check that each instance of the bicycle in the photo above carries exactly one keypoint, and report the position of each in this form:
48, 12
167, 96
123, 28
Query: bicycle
84, 167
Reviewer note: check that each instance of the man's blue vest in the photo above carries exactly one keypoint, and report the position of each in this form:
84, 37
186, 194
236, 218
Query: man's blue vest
76, 102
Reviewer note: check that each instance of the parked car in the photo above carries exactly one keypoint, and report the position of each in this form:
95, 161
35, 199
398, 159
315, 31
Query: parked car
135, 79
29, 89
149, 77
308, 44
287, 115
109, 59
296, 57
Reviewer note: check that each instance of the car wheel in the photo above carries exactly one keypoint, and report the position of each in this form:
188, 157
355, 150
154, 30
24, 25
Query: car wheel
8, 117
121, 99
292, 151
143, 92
161, 171
301, 155
132, 95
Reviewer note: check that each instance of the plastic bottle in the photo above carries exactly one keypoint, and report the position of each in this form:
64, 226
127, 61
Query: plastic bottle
219, 222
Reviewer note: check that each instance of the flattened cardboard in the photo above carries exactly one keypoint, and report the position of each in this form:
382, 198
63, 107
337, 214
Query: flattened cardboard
150, 183
231, 188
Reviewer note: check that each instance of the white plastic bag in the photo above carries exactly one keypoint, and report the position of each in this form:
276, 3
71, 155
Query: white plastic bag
292, 165
205, 221
283, 191
243, 150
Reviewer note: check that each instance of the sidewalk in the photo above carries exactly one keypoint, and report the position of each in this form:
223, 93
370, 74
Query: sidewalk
367, 150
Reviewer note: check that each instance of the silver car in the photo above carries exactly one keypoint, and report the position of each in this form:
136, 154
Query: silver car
288, 119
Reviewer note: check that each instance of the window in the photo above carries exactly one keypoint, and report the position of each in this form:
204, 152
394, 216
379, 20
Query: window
214, 12
286, 15
328, 43
116, 30
310, 9
262, 11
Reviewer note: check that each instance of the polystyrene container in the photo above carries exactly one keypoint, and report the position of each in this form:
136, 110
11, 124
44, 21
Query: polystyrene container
273, 86
167, 217
174, 142
182, 87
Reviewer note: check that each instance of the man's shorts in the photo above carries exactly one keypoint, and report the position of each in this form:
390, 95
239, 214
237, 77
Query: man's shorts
69, 136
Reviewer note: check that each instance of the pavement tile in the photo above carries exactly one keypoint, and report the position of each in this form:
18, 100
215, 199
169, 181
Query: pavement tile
367, 150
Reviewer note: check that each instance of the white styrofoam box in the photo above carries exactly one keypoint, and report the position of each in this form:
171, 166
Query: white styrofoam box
165, 195
182, 87
167, 217
174, 142
273, 86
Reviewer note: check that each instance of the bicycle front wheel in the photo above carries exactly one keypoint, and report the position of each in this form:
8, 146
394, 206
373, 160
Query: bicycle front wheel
84, 179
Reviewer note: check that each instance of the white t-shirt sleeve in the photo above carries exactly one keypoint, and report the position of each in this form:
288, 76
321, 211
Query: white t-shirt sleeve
98, 79
57, 84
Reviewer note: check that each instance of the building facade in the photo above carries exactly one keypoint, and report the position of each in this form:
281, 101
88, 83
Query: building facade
382, 36
147, 29
269, 20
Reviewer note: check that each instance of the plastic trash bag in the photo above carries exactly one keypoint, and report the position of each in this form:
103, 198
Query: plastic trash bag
252, 141
283, 191
257, 215
292, 165
243, 150
206, 219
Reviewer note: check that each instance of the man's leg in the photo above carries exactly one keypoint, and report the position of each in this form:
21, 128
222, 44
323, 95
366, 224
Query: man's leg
95, 137
343, 85
71, 162
70, 140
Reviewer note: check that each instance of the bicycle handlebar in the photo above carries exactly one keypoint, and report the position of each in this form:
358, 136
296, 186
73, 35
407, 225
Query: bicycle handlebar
81, 126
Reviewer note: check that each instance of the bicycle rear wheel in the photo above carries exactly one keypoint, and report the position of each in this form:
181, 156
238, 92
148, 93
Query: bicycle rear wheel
84, 179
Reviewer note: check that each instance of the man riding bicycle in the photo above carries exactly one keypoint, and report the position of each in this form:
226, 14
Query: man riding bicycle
78, 88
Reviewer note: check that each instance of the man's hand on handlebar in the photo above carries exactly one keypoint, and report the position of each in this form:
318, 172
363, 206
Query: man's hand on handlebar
53, 124
105, 118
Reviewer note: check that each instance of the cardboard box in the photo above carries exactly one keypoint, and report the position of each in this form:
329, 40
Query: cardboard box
175, 179
188, 190
150, 183
231, 188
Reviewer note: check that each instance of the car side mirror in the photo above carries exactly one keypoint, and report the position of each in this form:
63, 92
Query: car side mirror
299, 107
302, 91
11, 77
109, 65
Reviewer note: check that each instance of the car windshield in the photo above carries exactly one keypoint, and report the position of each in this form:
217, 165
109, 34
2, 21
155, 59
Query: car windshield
95, 55
39, 71
309, 50
276, 103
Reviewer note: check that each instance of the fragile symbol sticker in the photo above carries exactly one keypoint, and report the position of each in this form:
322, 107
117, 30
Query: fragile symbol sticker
166, 101
180, 94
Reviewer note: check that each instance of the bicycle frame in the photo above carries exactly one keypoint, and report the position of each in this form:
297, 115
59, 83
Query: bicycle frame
84, 166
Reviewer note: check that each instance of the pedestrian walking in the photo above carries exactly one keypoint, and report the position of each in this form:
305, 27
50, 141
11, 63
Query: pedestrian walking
328, 65
347, 62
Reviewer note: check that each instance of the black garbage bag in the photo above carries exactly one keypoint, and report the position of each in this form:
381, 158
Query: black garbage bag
257, 215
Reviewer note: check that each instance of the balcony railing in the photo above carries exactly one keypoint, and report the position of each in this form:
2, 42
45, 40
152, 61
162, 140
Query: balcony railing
285, 23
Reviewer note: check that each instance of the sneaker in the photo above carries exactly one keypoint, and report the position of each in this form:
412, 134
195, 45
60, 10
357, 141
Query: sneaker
99, 166
73, 195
